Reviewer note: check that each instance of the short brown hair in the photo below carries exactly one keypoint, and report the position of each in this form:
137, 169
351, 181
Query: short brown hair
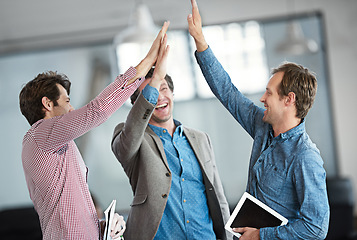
300, 81
168, 79
43, 85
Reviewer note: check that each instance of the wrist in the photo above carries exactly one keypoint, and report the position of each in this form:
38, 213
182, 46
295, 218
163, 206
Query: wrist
155, 82
143, 67
201, 45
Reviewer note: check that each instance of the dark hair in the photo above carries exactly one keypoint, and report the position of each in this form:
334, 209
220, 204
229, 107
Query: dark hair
300, 81
168, 79
43, 85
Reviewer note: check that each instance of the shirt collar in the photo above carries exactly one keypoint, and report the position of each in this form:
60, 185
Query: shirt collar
159, 130
292, 132
179, 127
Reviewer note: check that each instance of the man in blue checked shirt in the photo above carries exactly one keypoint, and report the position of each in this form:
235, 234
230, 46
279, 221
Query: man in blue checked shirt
285, 170
172, 171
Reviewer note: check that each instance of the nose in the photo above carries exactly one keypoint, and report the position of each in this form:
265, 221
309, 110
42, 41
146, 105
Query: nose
161, 96
262, 99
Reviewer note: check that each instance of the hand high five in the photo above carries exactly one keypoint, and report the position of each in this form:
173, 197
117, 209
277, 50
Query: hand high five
150, 59
195, 27
160, 67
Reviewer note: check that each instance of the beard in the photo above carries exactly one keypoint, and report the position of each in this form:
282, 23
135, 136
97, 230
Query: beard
160, 120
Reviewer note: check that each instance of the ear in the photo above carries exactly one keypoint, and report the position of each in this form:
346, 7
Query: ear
47, 103
290, 99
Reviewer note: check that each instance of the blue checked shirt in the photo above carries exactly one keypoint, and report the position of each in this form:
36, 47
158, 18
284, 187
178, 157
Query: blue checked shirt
285, 172
186, 215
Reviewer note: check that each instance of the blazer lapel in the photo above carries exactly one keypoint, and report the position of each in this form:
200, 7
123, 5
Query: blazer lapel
159, 146
192, 139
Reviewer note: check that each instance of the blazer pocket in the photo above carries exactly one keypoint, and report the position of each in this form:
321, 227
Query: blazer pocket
139, 199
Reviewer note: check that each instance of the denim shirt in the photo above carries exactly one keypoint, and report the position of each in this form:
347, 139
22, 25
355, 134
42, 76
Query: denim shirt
285, 172
186, 215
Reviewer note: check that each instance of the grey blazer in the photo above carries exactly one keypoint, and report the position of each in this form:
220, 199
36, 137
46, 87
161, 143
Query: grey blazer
141, 154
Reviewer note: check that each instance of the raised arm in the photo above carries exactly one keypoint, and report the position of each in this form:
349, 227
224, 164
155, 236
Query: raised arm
195, 27
150, 59
128, 136
59, 130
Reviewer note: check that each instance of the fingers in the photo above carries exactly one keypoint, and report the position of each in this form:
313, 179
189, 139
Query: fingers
164, 48
145, 65
194, 21
163, 30
162, 45
165, 27
189, 19
160, 67
238, 230
195, 17
154, 50
118, 227
190, 22
195, 11
195, 27
192, 18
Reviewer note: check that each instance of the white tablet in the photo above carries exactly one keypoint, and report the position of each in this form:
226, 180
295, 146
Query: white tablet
250, 212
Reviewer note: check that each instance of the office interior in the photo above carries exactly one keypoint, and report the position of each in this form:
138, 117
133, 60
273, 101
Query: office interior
82, 38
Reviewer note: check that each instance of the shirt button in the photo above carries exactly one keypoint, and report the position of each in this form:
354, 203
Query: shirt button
167, 174
184, 200
183, 179
188, 221
181, 160
164, 195
164, 131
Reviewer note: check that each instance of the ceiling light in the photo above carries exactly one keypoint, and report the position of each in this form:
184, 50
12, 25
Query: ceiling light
135, 40
141, 29
295, 42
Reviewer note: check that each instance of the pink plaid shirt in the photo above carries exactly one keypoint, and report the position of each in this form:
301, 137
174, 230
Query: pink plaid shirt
54, 169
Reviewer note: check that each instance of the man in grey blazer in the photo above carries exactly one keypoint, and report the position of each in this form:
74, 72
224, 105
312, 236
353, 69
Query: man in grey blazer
171, 168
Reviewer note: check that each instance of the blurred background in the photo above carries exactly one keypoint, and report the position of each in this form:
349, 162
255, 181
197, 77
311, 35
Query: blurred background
92, 41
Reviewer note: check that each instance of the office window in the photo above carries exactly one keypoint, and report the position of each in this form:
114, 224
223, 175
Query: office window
241, 50
239, 47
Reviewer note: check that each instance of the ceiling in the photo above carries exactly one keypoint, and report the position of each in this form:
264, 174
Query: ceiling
37, 24
41, 24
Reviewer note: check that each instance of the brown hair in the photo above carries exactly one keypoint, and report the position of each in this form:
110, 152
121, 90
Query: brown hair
168, 79
300, 81
43, 85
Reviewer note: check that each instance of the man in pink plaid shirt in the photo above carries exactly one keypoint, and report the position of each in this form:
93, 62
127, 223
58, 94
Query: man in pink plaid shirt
55, 172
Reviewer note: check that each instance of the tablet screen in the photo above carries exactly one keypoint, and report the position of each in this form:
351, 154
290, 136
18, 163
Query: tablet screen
250, 212
252, 215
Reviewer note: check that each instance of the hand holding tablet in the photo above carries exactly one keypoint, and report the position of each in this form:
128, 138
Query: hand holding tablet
250, 212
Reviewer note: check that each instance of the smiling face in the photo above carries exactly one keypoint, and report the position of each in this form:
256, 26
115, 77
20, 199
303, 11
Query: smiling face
163, 110
273, 102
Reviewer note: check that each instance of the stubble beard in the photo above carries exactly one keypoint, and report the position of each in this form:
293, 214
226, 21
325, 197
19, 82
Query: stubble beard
161, 120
